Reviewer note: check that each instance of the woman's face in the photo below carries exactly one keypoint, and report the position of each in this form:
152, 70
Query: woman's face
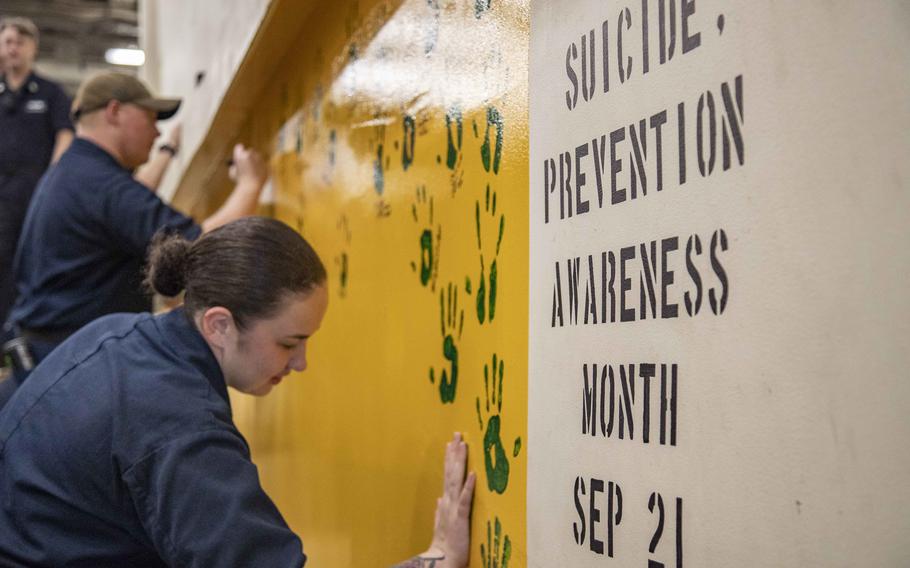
269, 349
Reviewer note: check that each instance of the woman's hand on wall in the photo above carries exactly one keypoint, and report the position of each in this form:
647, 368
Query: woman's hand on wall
452, 527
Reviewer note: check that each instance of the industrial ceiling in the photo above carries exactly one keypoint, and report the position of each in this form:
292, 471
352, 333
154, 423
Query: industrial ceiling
76, 33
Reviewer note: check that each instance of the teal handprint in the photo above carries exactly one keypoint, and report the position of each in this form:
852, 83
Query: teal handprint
378, 174
495, 460
490, 556
452, 322
407, 144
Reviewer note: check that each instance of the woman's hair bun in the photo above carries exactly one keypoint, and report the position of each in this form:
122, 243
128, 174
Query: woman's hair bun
167, 265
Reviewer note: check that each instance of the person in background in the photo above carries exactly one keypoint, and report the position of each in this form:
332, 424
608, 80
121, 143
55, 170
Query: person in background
86, 234
35, 129
120, 449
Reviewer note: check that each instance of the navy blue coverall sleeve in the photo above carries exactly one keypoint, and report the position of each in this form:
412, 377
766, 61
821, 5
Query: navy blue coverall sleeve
201, 503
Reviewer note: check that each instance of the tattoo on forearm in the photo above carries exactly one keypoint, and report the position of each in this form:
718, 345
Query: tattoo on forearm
418, 562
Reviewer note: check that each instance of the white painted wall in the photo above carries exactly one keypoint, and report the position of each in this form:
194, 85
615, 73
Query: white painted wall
793, 444
184, 38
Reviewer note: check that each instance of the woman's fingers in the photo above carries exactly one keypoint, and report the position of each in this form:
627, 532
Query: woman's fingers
456, 459
467, 493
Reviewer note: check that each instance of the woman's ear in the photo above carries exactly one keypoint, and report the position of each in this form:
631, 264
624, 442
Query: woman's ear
217, 327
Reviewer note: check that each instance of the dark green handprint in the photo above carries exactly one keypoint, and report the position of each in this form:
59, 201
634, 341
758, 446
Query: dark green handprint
487, 296
454, 129
452, 322
494, 454
341, 261
487, 154
429, 250
453, 140
489, 556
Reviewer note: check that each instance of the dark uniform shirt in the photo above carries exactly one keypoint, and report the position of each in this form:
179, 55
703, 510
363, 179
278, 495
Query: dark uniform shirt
30, 119
85, 240
120, 450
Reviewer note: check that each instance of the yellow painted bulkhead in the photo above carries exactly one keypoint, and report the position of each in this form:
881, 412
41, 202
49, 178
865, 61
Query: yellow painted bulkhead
398, 137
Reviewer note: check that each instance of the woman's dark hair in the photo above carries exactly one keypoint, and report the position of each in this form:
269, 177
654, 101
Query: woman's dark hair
246, 266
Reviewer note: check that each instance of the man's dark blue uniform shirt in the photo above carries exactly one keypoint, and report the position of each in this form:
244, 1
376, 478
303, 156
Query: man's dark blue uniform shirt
120, 450
30, 119
85, 240
29, 123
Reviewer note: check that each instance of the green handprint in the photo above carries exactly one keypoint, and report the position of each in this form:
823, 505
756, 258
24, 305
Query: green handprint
489, 556
494, 454
453, 140
482, 292
454, 129
429, 251
452, 321
494, 119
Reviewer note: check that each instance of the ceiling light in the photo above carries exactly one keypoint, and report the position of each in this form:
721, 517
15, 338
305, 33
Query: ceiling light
125, 56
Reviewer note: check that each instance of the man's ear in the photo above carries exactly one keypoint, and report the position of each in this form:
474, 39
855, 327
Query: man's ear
112, 111
217, 327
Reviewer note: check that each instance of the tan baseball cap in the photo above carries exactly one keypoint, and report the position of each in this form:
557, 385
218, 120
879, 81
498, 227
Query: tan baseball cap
102, 88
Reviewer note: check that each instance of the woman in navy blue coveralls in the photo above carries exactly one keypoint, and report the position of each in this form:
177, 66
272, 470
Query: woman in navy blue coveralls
120, 449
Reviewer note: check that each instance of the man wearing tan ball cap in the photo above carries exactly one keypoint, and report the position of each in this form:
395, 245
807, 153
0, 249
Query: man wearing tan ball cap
89, 225
127, 96
95, 93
